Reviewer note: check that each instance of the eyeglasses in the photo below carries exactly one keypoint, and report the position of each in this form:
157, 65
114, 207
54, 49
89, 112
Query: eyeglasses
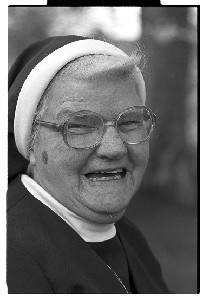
85, 129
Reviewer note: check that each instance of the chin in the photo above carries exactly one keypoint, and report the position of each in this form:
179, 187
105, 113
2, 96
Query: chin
114, 217
106, 217
110, 204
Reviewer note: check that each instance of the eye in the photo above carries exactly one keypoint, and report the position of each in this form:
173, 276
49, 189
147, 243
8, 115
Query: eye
130, 125
75, 128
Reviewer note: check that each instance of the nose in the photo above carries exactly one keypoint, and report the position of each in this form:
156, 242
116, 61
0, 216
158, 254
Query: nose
111, 146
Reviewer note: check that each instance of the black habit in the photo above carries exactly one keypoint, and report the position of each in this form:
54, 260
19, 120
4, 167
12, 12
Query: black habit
45, 255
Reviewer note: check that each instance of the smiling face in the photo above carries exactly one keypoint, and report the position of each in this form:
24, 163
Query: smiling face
75, 176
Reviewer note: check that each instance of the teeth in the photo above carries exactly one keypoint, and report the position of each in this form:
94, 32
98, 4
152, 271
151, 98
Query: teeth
106, 175
116, 171
115, 177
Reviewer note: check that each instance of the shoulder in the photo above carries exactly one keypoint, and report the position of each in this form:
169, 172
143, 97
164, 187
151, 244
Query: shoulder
135, 237
131, 230
16, 192
23, 210
137, 241
138, 249
30, 222
25, 215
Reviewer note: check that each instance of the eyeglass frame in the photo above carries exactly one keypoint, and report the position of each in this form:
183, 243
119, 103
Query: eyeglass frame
60, 127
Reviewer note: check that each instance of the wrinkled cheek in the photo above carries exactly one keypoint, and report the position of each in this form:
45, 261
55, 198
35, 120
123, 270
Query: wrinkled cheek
66, 157
138, 174
139, 155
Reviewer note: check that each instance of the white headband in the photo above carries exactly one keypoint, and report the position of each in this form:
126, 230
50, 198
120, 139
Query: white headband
39, 78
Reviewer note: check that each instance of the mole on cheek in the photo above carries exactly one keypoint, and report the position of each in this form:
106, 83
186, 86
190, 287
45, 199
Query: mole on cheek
45, 157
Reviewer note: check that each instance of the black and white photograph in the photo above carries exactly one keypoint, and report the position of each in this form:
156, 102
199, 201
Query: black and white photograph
102, 193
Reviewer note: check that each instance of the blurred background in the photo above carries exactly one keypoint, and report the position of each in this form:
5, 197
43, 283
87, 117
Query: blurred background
165, 208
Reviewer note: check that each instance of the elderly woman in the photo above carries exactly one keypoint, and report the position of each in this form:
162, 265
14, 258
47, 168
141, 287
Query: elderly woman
78, 148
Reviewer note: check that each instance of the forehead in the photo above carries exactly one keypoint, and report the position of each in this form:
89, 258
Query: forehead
107, 96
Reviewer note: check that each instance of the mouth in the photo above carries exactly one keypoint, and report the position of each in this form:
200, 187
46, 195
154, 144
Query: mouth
106, 175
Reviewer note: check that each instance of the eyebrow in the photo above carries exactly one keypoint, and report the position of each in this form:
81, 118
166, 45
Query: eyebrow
64, 107
63, 110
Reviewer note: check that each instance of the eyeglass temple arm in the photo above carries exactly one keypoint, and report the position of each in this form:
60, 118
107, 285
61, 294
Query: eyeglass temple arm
154, 118
55, 126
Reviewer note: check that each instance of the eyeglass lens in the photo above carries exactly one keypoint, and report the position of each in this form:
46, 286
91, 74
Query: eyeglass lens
85, 129
134, 126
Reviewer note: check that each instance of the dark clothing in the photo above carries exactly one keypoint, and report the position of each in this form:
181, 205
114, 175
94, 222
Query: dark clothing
112, 253
45, 255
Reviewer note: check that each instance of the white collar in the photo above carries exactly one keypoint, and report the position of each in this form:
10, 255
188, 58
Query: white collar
89, 231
